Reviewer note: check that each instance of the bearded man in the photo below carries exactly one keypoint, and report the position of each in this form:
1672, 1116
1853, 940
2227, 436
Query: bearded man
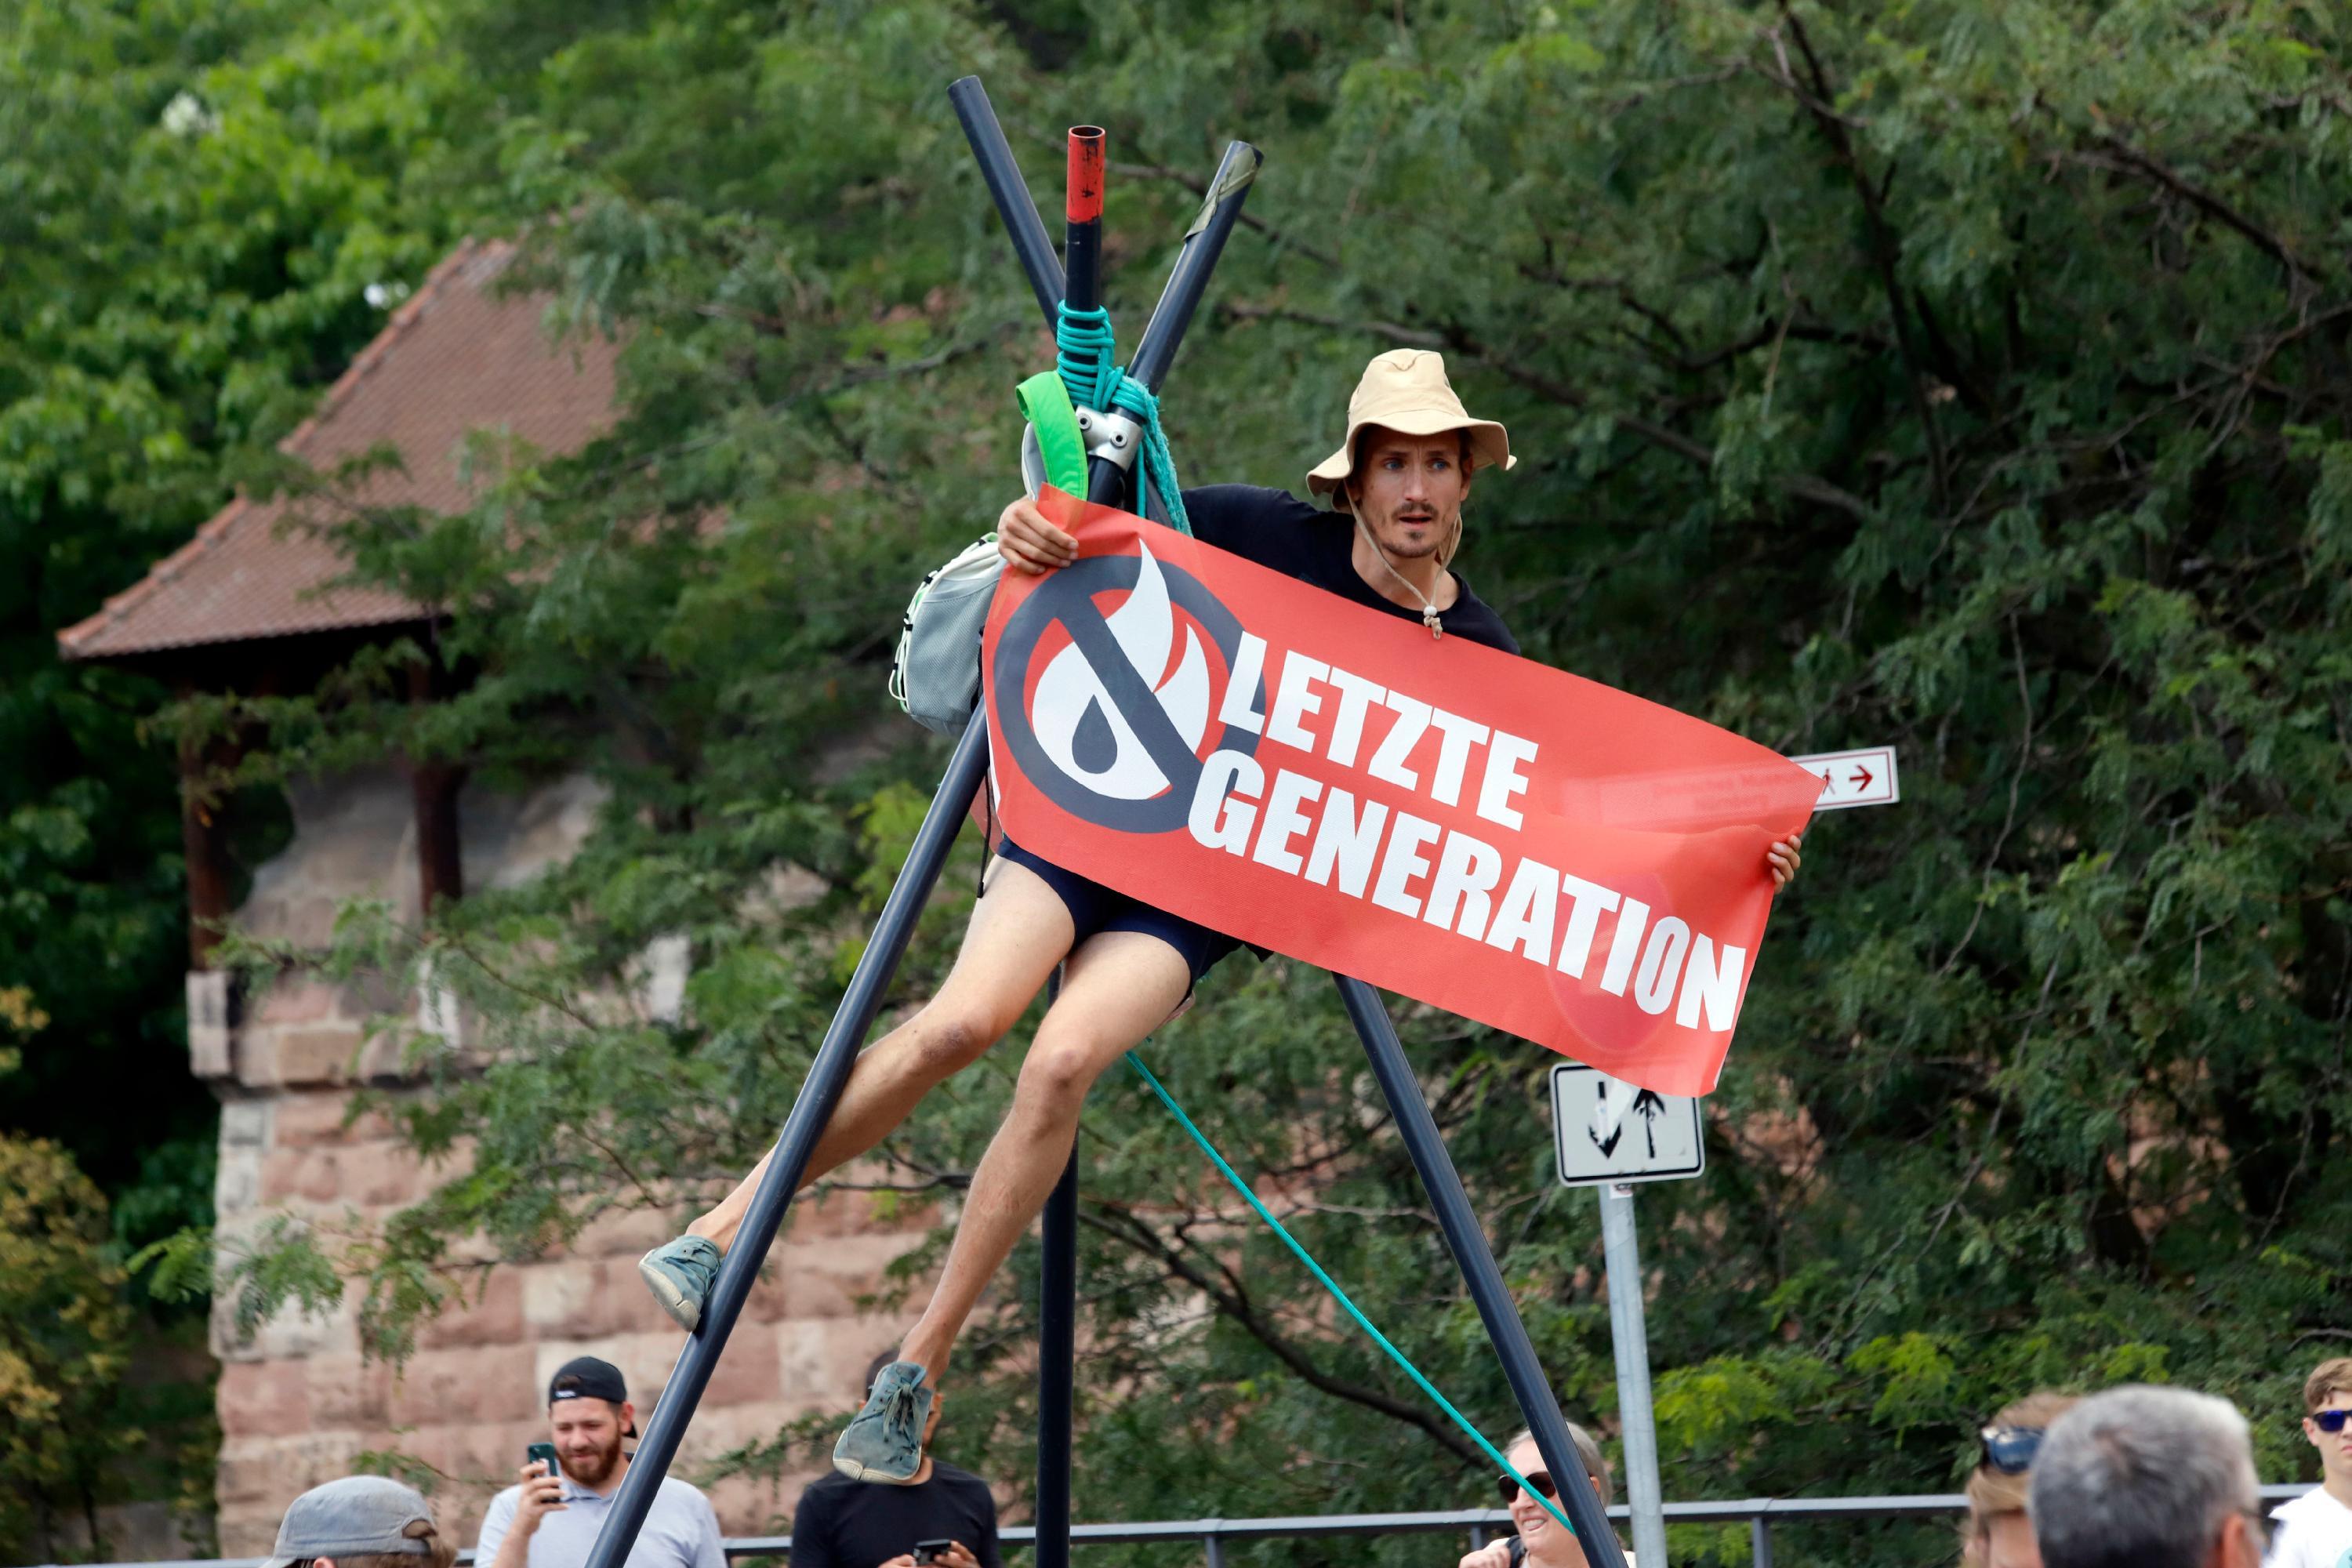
1396, 485
550, 1520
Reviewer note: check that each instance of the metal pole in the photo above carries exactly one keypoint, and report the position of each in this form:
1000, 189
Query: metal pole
1467, 1239
1082, 210
1760, 1541
1627, 1329
813, 1108
1106, 480
1188, 278
1010, 192
1057, 1351
838, 1053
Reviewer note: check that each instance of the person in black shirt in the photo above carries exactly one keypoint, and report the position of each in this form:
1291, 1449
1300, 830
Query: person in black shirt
1276, 530
1397, 484
842, 1524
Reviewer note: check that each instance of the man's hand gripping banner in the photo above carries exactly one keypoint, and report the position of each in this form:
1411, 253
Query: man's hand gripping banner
1483, 833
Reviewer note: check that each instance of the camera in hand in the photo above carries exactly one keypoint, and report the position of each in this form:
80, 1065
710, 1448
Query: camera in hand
932, 1551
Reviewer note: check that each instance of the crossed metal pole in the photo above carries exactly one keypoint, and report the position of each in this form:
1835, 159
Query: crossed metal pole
1107, 483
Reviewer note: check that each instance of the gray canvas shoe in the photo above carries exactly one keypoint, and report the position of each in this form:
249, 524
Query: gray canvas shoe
885, 1441
679, 1274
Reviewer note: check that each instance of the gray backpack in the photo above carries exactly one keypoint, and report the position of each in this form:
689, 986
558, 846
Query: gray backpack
936, 674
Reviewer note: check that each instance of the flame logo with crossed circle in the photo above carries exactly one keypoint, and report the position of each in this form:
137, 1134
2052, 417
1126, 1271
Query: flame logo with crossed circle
1114, 728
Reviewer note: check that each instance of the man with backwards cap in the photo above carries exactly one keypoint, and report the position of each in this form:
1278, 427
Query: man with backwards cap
1396, 488
361, 1521
552, 1521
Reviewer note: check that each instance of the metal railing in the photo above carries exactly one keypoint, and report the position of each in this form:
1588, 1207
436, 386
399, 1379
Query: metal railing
1477, 1525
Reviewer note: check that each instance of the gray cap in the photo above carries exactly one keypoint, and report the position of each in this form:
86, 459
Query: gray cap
357, 1515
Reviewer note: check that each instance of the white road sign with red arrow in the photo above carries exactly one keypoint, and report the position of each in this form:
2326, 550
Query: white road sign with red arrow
1865, 777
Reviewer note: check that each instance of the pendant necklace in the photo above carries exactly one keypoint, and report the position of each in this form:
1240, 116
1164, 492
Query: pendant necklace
1428, 606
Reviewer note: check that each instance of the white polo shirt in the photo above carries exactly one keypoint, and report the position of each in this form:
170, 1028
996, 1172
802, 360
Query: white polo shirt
681, 1531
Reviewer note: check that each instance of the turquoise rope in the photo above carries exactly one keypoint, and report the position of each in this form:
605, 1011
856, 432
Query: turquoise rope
1339, 1295
1084, 342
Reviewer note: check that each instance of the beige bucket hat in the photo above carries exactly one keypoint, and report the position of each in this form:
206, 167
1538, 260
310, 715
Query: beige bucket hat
1405, 390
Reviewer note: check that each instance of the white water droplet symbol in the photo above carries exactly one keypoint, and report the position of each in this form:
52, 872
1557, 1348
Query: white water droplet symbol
1074, 710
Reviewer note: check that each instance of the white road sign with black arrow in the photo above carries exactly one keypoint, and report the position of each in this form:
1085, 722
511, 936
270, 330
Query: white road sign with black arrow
1610, 1131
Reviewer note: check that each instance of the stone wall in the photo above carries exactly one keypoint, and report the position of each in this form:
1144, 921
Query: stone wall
296, 1400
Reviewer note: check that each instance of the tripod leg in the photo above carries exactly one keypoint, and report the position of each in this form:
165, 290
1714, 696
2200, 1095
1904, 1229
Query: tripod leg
1014, 205
1056, 1368
1467, 1239
835, 1059
1188, 280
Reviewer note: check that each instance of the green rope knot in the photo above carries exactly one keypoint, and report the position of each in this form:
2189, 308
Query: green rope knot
1084, 341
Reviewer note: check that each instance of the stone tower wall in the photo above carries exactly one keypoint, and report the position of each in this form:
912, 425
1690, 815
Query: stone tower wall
297, 1401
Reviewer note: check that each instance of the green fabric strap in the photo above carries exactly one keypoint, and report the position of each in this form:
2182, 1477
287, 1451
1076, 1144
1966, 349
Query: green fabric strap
1046, 404
1339, 1295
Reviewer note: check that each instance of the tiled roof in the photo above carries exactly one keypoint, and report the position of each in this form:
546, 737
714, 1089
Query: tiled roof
454, 359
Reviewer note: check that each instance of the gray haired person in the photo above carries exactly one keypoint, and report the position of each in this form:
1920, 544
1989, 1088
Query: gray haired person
2147, 1477
361, 1521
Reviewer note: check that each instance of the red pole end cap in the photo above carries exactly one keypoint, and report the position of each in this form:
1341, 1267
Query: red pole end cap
1085, 201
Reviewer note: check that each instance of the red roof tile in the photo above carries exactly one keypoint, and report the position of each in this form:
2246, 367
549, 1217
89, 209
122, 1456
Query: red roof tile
454, 359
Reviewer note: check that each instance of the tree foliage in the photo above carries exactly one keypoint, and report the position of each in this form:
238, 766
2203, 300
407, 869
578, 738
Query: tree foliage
205, 211
195, 203
64, 1334
1967, 377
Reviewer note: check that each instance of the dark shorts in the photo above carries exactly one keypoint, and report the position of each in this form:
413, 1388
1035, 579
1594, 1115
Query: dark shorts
1095, 907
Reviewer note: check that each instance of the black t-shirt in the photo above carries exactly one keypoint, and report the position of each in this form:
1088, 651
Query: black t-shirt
1276, 530
842, 1524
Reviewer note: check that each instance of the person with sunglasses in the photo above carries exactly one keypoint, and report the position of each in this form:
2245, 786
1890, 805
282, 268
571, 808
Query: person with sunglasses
1540, 1541
2315, 1531
1998, 1535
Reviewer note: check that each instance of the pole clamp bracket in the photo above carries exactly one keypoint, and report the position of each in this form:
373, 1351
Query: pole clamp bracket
1112, 435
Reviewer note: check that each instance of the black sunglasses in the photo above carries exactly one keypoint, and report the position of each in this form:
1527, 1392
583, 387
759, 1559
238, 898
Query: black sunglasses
1539, 1479
2011, 1449
2330, 1420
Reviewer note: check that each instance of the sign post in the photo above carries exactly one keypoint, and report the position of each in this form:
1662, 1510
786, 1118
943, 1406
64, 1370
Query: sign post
1629, 1337
1611, 1134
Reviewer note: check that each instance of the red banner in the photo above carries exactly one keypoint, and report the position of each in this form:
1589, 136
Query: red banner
1494, 836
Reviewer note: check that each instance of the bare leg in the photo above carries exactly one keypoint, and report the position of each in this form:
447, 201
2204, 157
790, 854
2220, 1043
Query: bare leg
1020, 930
1121, 986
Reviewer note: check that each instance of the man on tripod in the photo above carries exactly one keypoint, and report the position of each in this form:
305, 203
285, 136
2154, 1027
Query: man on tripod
1397, 484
